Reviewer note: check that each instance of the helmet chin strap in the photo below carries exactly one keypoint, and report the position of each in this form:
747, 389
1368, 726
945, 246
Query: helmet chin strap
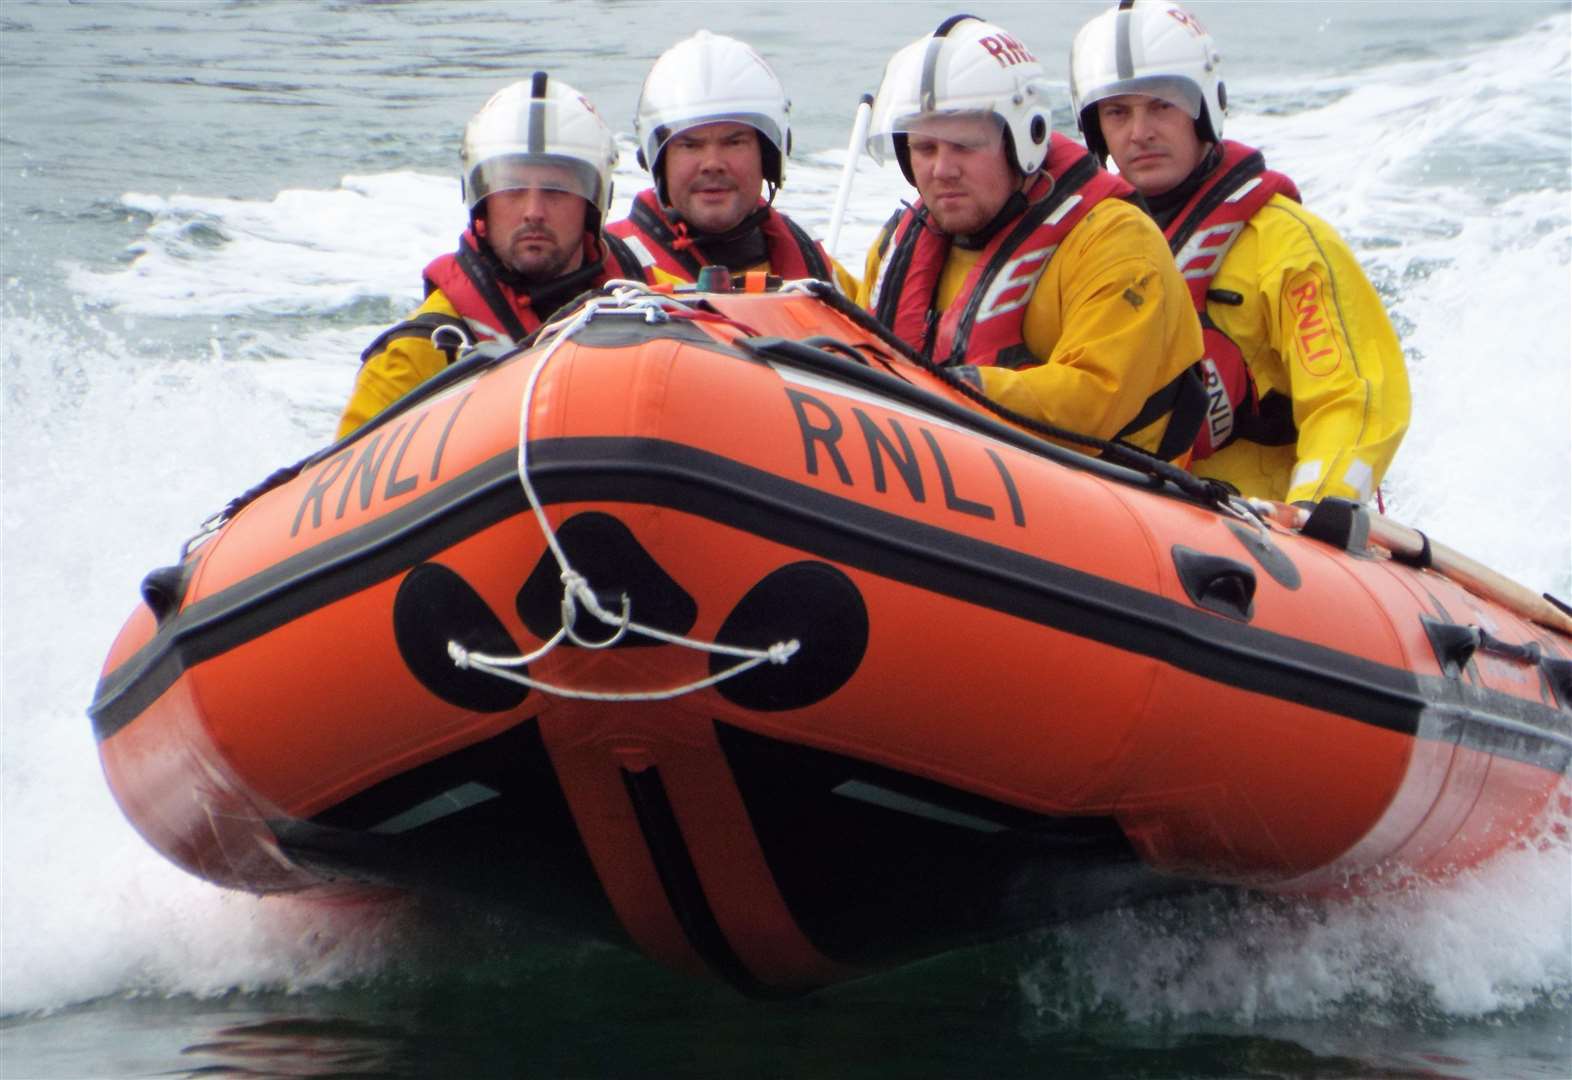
1164, 207
1013, 207
738, 248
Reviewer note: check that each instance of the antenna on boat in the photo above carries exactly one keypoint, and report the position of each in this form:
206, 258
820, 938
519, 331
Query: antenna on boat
853, 153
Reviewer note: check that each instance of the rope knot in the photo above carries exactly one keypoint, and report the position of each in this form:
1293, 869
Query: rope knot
783, 651
459, 655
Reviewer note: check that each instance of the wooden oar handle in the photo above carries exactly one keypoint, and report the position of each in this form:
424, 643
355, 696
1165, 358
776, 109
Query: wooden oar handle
1411, 545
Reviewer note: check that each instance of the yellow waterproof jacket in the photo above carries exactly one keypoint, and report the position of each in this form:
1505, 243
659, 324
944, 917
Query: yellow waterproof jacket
1110, 319
1313, 329
404, 364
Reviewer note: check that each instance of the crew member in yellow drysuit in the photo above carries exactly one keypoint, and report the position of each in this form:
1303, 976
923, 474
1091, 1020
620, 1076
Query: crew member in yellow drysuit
537, 178
1309, 385
1022, 267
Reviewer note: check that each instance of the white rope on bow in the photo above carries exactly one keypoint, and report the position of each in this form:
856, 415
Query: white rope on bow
627, 299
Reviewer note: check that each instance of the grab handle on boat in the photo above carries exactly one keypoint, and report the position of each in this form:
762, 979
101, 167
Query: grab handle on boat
163, 589
1559, 673
1456, 644
1218, 584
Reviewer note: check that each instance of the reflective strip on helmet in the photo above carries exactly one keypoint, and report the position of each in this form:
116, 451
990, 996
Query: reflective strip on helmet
537, 114
1124, 59
926, 96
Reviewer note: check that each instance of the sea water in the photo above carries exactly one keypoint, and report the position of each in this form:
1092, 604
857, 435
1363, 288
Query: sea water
208, 209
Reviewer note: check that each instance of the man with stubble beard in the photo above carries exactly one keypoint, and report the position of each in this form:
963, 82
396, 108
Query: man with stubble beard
537, 163
1024, 270
714, 130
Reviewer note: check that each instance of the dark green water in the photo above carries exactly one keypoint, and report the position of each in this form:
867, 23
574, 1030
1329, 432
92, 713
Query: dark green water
599, 1013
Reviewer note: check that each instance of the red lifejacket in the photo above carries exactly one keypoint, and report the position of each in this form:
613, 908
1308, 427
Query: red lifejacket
1201, 235
495, 310
983, 324
659, 242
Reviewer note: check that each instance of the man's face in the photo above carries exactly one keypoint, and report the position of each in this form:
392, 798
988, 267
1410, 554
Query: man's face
714, 174
1151, 140
538, 231
961, 171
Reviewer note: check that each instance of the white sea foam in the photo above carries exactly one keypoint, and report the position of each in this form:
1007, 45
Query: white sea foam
1495, 940
110, 461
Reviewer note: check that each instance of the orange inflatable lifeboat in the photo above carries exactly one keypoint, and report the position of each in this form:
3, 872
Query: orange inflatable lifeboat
714, 625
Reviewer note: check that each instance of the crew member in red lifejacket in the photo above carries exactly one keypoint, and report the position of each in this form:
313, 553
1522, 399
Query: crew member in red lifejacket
713, 126
1023, 266
537, 164
1306, 379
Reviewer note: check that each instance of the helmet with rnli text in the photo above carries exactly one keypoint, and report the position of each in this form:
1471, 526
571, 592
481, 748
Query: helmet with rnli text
539, 133
1151, 47
966, 67
712, 79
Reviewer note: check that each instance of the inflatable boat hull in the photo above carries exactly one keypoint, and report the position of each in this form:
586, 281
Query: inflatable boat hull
1025, 685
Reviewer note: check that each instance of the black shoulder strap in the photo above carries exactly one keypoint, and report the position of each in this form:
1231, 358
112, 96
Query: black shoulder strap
887, 233
900, 261
1252, 165
485, 283
818, 265
1184, 399
1064, 186
628, 264
425, 325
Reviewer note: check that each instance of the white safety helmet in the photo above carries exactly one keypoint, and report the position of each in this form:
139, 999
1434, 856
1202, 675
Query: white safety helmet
1151, 47
712, 79
539, 133
965, 67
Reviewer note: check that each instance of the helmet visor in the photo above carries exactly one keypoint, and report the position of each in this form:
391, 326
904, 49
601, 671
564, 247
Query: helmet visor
1178, 92
971, 130
548, 172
